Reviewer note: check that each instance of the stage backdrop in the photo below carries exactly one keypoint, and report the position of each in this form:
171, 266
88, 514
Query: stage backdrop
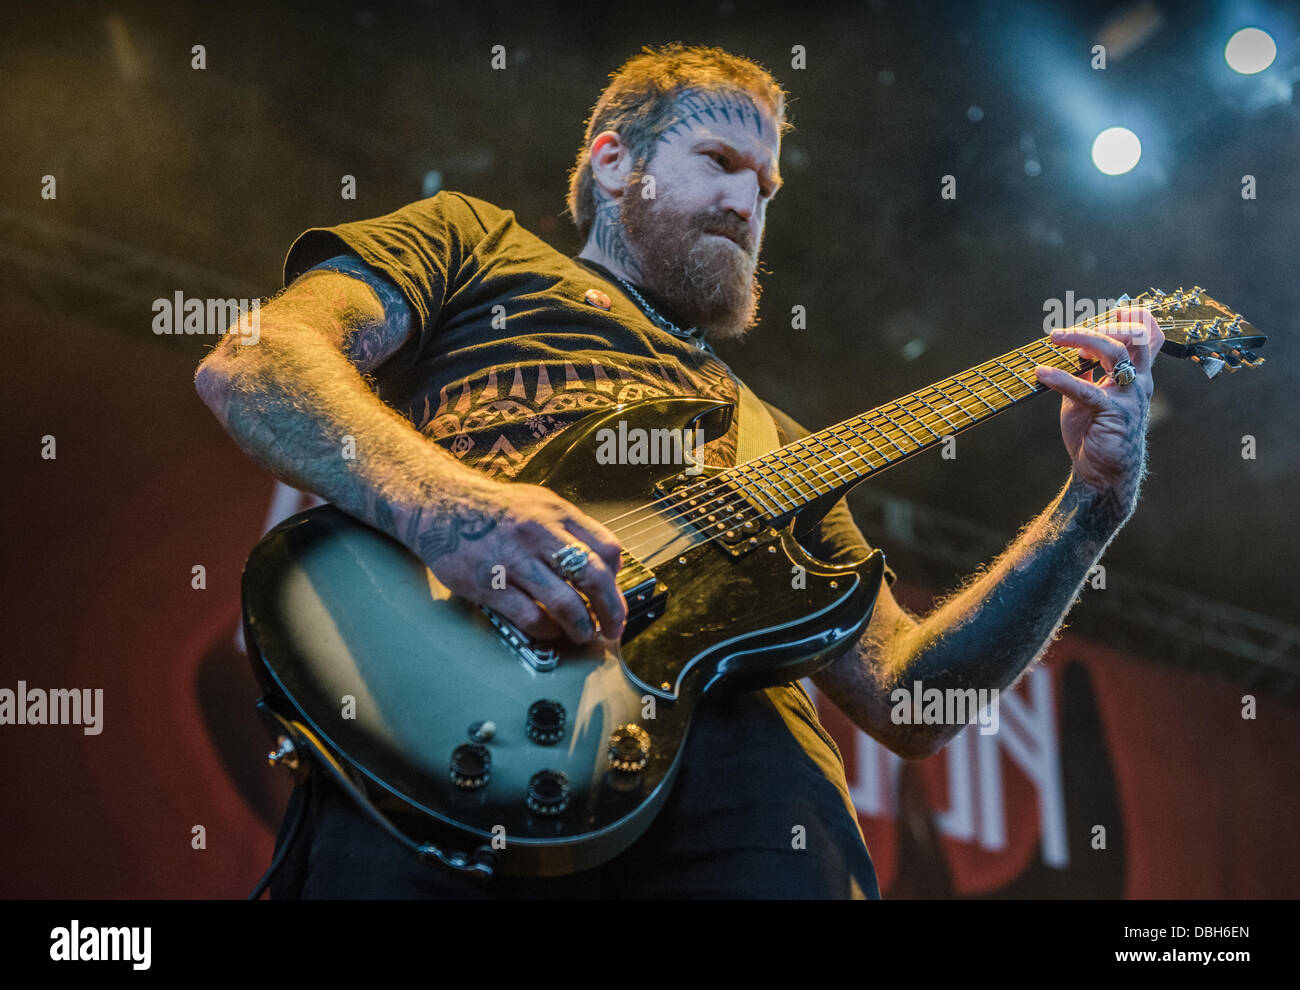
1110, 776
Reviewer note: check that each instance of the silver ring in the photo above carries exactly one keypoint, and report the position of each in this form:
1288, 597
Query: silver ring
1124, 373
571, 562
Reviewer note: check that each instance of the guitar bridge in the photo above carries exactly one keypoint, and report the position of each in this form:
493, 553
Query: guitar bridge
540, 658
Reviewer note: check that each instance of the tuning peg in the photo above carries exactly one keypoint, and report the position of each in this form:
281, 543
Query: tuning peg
1250, 359
1213, 329
1194, 331
1236, 322
1232, 360
1211, 364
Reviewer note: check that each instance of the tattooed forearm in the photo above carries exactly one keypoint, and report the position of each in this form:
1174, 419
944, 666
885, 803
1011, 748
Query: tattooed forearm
294, 447
300, 408
988, 633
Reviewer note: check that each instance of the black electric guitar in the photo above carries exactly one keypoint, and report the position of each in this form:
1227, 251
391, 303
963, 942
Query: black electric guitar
484, 751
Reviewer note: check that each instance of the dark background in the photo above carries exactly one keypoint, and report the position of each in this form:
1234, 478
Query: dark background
221, 168
171, 178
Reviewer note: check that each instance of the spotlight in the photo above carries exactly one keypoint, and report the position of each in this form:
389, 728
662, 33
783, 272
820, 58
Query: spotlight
1116, 150
1249, 51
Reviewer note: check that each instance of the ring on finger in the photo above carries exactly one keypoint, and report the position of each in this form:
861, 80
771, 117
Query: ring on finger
571, 562
1123, 373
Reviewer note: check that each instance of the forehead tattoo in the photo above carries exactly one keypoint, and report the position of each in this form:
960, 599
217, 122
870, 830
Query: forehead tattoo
699, 106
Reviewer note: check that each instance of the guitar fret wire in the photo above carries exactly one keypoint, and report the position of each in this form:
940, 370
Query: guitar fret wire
798, 476
765, 484
902, 404
828, 447
935, 411
650, 552
1018, 356
890, 420
1021, 355
781, 477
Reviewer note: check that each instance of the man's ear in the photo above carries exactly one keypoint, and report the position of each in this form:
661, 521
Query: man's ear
611, 163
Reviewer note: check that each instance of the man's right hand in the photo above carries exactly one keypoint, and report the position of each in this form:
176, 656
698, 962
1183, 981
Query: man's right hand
491, 542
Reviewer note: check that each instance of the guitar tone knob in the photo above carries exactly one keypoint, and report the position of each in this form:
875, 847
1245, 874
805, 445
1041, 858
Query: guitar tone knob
548, 792
546, 722
629, 748
471, 766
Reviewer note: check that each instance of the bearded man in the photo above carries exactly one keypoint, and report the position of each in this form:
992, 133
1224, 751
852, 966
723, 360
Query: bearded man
451, 345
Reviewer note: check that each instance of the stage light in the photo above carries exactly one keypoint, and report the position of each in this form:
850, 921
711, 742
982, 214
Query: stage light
1116, 150
1249, 51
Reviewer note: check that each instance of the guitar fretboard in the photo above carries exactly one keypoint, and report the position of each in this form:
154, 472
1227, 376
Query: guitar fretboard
835, 459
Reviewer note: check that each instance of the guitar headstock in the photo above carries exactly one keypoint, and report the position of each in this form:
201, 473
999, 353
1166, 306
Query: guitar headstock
1203, 330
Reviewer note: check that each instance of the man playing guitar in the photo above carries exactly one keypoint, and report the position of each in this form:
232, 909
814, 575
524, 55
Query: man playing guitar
415, 361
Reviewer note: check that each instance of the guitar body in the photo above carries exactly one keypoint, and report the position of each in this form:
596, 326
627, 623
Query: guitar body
358, 647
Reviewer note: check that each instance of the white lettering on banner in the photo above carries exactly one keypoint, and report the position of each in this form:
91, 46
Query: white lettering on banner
871, 792
976, 796
958, 822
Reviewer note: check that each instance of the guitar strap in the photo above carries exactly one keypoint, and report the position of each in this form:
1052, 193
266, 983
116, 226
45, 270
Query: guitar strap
756, 433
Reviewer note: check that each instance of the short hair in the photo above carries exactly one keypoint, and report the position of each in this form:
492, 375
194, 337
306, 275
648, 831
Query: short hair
640, 101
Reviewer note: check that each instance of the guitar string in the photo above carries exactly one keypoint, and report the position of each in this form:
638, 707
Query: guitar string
646, 552
1019, 360
1005, 371
981, 391
1095, 321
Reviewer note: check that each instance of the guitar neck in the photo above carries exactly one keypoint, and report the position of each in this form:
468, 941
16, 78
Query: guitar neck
831, 461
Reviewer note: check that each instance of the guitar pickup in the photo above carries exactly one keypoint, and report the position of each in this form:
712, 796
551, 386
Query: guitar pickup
644, 593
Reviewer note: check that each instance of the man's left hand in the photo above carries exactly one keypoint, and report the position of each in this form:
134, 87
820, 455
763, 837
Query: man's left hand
1104, 423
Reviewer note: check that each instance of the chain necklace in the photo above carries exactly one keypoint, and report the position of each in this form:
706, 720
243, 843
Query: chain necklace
694, 334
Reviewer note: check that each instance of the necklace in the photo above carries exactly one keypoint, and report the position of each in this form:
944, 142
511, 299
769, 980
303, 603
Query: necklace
694, 334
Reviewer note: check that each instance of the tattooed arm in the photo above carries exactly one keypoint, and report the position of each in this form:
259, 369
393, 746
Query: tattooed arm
297, 404
989, 633
986, 635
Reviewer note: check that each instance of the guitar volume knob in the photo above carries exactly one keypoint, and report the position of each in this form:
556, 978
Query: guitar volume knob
629, 748
548, 792
471, 766
546, 721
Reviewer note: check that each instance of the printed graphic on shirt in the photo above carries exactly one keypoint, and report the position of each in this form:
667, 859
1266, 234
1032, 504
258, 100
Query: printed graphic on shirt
495, 422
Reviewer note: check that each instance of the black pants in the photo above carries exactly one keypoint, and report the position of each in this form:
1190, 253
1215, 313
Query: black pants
753, 814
